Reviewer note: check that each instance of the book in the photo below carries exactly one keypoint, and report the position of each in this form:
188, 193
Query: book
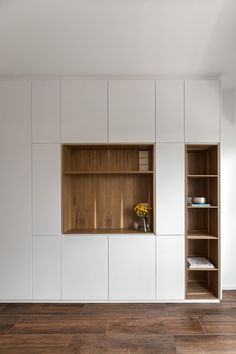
199, 262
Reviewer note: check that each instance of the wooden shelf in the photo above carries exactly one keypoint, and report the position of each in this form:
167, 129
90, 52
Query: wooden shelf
201, 269
202, 207
200, 235
106, 172
202, 176
105, 231
202, 222
199, 291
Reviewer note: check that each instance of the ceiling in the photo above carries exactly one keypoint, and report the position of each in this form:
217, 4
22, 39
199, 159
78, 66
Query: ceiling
119, 37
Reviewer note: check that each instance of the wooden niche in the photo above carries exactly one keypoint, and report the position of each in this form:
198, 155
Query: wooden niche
102, 183
202, 222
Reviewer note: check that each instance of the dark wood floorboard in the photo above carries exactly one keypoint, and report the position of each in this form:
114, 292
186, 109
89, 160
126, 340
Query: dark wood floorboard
159, 325
141, 344
126, 310
119, 328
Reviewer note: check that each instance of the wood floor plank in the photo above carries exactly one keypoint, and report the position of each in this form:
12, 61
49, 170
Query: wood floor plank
140, 344
221, 309
7, 322
2, 306
229, 295
60, 324
34, 341
205, 344
42, 309
127, 310
219, 324
31, 350
159, 325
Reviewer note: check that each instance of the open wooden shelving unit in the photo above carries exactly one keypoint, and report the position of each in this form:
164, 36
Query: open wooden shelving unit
102, 183
202, 223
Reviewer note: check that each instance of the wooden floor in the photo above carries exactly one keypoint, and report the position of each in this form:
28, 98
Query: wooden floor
119, 328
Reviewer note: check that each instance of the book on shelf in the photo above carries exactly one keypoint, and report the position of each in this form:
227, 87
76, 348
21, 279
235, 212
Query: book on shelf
201, 205
199, 262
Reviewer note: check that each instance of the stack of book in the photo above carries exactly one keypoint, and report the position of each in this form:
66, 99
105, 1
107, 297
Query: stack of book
199, 262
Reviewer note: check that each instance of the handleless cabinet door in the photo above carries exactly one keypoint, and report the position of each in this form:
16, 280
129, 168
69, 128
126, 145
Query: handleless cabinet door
84, 111
131, 111
202, 111
170, 263
15, 191
85, 267
46, 111
170, 188
170, 111
47, 268
132, 267
46, 189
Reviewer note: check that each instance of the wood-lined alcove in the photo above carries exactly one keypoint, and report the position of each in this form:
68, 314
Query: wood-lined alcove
202, 222
102, 183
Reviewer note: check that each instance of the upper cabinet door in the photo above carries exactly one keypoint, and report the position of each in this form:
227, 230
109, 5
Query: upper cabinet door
131, 111
202, 111
170, 189
84, 111
170, 111
46, 111
15, 191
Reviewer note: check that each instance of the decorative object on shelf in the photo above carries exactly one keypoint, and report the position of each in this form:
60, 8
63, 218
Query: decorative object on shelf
142, 210
199, 200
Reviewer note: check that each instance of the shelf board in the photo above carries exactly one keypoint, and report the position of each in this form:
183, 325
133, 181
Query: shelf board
202, 176
202, 207
201, 269
199, 291
106, 172
105, 231
200, 235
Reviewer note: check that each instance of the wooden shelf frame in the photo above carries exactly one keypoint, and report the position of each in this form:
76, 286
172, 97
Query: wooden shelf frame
101, 184
202, 229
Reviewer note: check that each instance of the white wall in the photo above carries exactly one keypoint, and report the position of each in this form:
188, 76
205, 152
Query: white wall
228, 189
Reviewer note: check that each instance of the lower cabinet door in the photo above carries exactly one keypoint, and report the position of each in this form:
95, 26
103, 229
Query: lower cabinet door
46, 267
85, 267
132, 267
170, 263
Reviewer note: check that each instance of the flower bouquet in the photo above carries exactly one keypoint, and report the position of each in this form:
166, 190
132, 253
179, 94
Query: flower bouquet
142, 210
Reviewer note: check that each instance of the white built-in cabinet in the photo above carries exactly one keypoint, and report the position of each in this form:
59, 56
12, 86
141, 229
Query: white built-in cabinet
85, 267
46, 190
46, 268
131, 267
131, 111
202, 111
46, 111
170, 189
170, 111
84, 111
170, 268
15, 191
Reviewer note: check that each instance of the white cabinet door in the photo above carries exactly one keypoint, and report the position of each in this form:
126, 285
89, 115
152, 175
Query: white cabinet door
85, 267
46, 268
131, 267
202, 111
46, 189
131, 111
84, 111
46, 111
170, 263
15, 191
170, 188
170, 111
